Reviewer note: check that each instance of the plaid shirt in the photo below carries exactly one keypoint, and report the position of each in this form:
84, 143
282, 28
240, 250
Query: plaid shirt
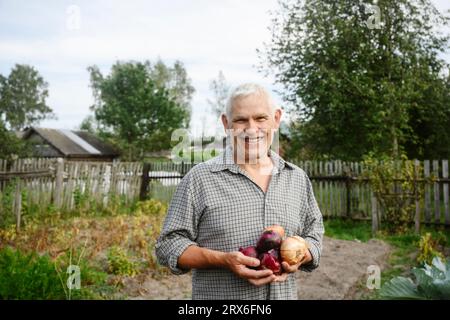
217, 206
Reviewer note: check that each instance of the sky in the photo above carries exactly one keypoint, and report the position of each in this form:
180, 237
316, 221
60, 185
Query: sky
62, 38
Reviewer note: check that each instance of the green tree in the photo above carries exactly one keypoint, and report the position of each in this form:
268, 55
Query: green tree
360, 82
23, 97
132, 110
88, 124
177, 82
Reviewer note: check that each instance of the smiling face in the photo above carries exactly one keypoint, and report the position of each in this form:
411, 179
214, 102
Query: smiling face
253, 123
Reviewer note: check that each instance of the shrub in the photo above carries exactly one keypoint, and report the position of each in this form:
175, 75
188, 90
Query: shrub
396, 186
428, 248
150, 207
119, 262
28, 276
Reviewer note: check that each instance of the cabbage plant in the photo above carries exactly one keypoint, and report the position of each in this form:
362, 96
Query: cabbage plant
431, 282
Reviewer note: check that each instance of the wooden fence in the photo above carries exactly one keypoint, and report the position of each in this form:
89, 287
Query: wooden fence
338, 187
59, 183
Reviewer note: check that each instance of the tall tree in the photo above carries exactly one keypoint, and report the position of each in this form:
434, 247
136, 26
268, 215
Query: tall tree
220, 90
133, 110
358, 74
177, 82
23, 97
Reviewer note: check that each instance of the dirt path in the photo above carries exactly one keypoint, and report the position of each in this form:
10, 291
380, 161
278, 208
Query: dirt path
343, 267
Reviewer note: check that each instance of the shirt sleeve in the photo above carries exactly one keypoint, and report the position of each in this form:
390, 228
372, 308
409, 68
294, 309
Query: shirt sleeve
180, 226
313, 229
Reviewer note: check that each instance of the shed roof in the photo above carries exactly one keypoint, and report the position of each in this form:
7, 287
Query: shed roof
74, 143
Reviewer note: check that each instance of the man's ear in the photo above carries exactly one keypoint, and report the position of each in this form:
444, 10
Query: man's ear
277, 117
224, 122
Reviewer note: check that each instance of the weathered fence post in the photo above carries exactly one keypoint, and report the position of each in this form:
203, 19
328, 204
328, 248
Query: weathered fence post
144, 182
18, 204
416, 197
182, 169
445, 187
437, 209
349, 199
426, 172
374, 215
59, 183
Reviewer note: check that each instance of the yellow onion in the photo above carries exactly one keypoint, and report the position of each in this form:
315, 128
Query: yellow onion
293, 249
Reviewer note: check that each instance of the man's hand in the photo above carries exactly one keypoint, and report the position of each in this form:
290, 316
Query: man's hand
291, 269
239, 264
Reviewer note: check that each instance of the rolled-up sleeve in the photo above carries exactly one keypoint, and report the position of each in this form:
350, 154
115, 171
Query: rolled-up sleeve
180, 226
313, 229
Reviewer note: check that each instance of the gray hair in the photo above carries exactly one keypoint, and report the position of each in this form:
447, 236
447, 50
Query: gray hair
245, 90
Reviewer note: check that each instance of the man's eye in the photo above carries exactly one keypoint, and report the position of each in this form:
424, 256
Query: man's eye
261, 119
239, 120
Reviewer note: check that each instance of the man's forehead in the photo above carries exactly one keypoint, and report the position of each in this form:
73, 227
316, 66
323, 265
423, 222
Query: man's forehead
251, 105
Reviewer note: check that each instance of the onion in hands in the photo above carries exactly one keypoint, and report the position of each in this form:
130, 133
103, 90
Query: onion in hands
249, 251
270, 261
271, 249
293, 249
268, 240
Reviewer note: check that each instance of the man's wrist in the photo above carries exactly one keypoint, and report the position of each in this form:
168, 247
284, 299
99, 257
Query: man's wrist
216, 258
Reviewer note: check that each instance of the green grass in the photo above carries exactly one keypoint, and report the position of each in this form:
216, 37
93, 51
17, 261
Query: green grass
348, 229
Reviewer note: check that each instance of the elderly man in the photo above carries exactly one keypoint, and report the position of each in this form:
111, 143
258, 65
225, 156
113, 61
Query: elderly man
226, 202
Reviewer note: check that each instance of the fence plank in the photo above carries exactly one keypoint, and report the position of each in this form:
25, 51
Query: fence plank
18, 204
445, 190
330, 190
321, 187
437, 209
416, 197
426, 169
374, 207
59, 183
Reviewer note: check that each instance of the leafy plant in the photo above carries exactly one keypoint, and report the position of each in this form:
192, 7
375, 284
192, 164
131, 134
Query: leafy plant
28, 276
428, 248
150, 207
432, 282
6, 204
90, 277
120, 263
80, 198
396, 186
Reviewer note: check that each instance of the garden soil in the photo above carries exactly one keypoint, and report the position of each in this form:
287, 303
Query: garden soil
342, 273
